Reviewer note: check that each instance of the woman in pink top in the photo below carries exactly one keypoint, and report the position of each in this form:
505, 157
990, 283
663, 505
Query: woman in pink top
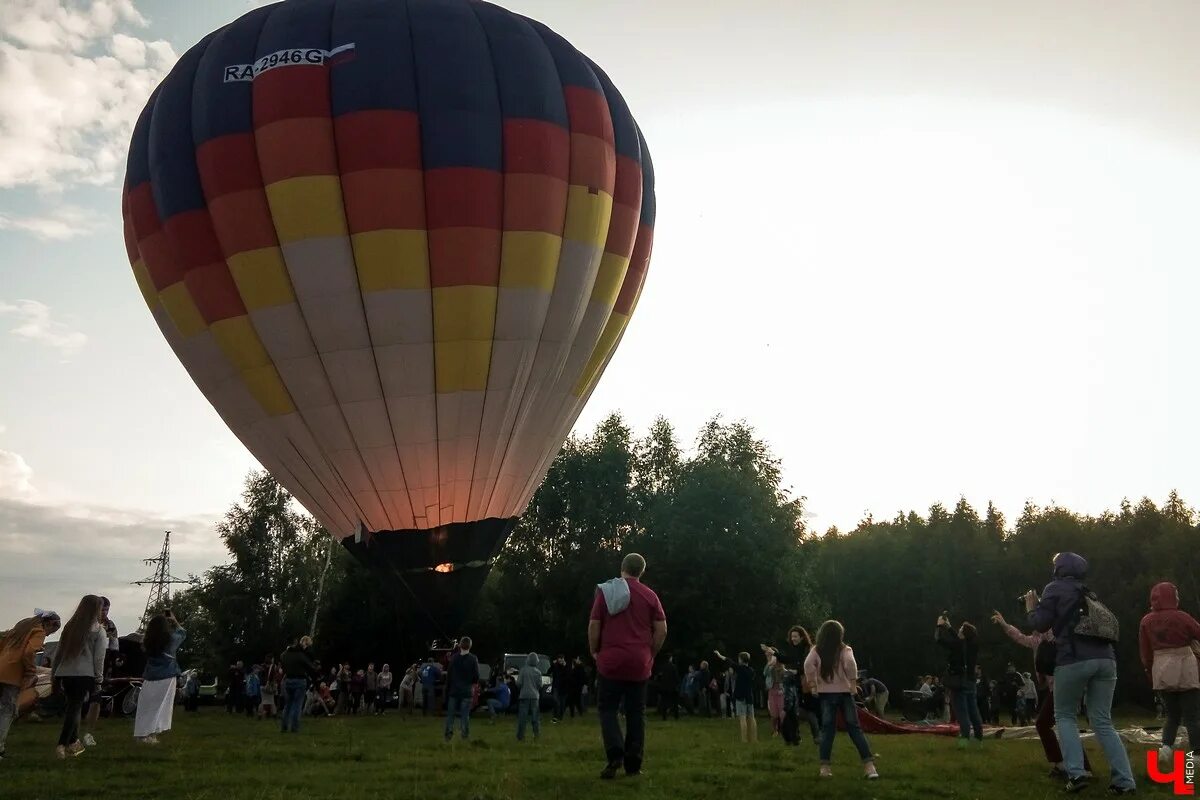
832, 672
1045, 717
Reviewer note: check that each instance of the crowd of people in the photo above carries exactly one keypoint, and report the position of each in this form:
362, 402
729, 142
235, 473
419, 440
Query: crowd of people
808, 682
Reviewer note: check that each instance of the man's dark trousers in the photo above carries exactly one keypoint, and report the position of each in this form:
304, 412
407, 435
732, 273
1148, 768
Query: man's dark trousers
630, 748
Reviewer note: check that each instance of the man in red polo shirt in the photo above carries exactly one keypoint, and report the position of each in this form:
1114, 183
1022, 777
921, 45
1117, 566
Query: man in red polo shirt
626, 631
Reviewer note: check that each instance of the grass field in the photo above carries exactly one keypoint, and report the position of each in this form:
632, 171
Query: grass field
210, 755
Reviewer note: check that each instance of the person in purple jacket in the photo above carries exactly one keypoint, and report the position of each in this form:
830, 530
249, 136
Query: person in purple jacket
1085, 668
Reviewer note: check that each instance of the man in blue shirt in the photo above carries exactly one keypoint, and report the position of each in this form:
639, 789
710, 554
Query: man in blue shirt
430, 674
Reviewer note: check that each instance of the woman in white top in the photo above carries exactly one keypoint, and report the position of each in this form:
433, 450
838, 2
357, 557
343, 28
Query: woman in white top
78, 668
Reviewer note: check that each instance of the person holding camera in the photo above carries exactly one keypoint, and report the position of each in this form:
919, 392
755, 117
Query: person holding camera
1085, 667
962, 653
156, 701
1045, 652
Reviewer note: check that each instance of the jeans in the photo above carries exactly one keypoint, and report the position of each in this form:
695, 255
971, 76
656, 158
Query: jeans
1093, 680
428, 695
560, 703
76, 689
461, 707
8, 710
966, 708
630, 748
1181, 707
293, 692
830, 705
494, 707
527, 710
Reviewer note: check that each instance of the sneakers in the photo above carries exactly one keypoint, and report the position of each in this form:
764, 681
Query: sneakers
826, 771
1165, 756
75, 749
1057, 773
61, 752
1076, 785
89, 740
869, 771
1114, 789
610, 771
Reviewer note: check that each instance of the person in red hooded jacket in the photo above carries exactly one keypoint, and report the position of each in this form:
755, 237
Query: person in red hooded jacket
1168, 640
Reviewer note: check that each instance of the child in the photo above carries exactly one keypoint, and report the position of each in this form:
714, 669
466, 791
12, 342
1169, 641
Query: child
529, 681
773, 675
743, 695
831, 670
270, 689
253, 691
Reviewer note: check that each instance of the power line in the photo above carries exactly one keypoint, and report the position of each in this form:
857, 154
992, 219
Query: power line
160, 582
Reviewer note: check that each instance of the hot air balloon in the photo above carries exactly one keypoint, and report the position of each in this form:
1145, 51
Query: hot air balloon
394, 243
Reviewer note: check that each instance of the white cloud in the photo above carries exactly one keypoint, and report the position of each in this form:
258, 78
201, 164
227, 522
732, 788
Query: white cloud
59, 224
16, 477
66, 25
71, 86
34, 324
41, 563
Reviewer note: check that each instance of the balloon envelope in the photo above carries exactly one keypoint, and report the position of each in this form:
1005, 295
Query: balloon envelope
394, 244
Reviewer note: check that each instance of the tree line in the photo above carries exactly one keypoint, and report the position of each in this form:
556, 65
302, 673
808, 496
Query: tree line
730, 554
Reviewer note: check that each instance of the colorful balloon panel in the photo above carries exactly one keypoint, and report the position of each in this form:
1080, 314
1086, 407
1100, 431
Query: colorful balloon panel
395, 244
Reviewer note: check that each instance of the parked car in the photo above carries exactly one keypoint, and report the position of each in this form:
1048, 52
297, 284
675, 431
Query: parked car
513, 662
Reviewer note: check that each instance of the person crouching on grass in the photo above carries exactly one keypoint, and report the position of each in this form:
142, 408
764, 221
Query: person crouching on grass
743, 695
17, 671
156, 702
832, 671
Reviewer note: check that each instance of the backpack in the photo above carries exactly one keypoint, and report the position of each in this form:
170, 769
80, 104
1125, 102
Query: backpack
1094, 620
1045, 657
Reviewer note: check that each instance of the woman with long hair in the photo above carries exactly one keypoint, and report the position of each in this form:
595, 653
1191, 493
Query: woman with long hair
791, 655
78, 668
832, 673
17, 671
156, 703
962, 655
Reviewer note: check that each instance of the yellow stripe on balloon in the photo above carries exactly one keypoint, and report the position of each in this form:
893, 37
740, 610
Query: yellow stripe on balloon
529, 260
261, 278
608, 342
267, 388
177, 300
240, 343
462, 366
588, 215
464, 318
609, 279
145, 285
391, 259
308, 207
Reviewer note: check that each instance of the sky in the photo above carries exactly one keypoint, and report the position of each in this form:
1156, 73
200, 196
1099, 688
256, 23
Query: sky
928, 250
